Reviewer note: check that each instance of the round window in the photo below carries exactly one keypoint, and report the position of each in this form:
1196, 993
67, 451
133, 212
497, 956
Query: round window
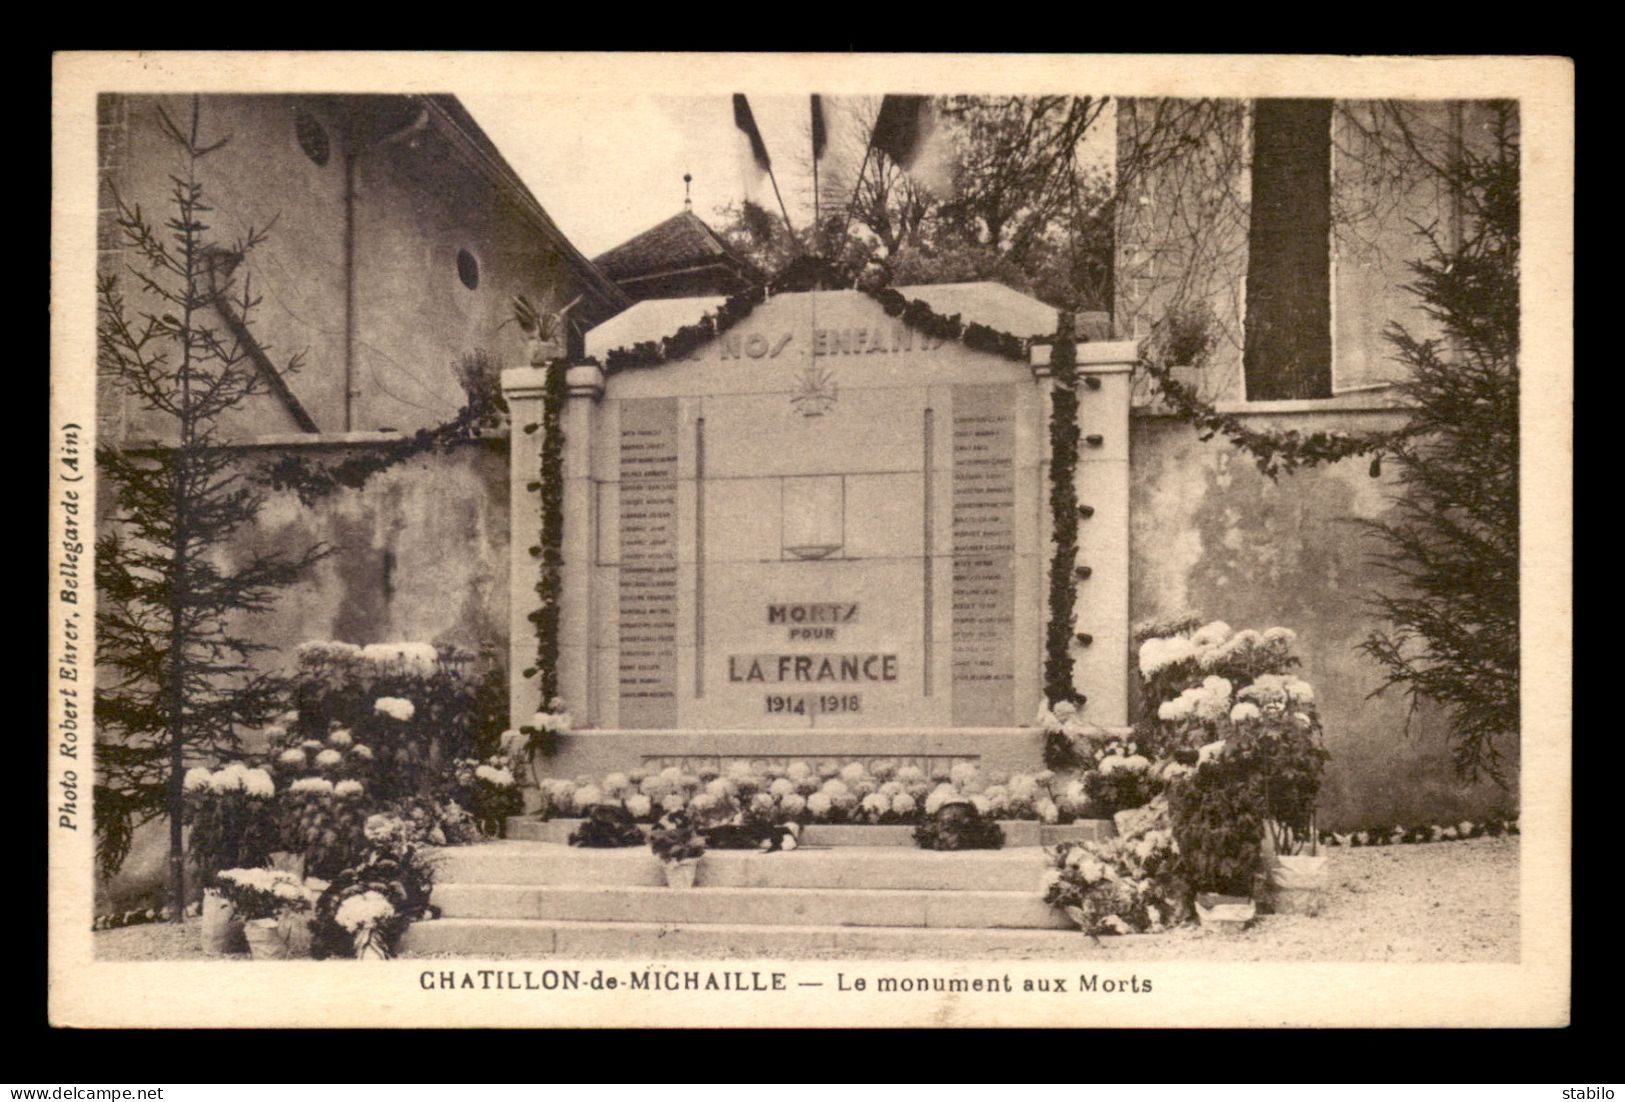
312, 137
468, 269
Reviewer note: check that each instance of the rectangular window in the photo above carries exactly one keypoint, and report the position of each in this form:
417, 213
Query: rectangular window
1288, 347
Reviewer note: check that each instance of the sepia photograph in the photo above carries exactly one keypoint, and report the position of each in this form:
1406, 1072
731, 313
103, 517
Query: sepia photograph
570, 539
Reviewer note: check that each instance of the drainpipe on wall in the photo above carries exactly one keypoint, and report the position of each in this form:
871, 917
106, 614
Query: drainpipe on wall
351, 154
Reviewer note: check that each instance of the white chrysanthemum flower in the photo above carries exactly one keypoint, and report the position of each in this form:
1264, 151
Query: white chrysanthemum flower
835, 789
1284, 636
1211, 752
793, 804
902, 804
761, 802
229, 779
1022, 786
702, 803
819, 804
347, 788
382, 828
673, 801
362, 752
295, 756
719, 789
1211, 634
199, 779
639, 807
257, 782
1159, 654
1137, 763
1048, 810
876, 804
910, 774
964, 775
310, 744
492, 775
312, 784
1213, 700
798, 771
329, 758
1298, 690
782, 787
1111, 763
940, 796
741, 770
340, 737
395, 707
1177, 710
588, 795
616, 784
853, 773
417, 657
364, 912
1245, 712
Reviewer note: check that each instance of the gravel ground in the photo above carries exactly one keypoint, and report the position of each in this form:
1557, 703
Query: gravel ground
1441, 902
156, 941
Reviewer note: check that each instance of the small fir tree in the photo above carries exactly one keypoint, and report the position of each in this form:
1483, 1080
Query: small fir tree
176, 679
1452, 623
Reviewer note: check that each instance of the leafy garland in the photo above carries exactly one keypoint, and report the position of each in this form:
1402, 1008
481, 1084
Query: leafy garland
483, 410
1064, 513
549, 546
1274, 451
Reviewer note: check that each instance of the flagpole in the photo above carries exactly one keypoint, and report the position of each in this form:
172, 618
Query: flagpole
782, 210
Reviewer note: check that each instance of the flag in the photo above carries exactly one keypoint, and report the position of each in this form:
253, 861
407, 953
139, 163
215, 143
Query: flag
820, 136
754, 164
907, 131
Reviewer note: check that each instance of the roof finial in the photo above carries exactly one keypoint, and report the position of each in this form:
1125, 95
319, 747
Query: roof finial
688, 203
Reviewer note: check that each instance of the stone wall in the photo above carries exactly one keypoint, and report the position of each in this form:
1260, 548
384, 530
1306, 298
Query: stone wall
1211, 534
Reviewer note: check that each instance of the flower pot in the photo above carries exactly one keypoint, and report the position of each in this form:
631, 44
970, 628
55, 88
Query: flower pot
222, 931
265, 939
293, 927
1298, 884
680, 874
1226, 915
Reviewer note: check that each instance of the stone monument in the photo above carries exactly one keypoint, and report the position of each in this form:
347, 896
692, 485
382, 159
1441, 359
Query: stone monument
824, 535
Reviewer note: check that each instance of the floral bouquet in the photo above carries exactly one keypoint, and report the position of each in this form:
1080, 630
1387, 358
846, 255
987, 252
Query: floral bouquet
489, 790
676, 839
366, 908
958, 825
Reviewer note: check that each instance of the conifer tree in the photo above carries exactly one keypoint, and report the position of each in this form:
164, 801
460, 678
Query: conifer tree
175, 678
1451, 635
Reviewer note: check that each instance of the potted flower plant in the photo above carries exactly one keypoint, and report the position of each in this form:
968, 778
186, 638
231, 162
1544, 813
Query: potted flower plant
260, 897
676, 842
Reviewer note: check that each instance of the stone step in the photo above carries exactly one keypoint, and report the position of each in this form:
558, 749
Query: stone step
765, 906
655, 941
1017, 832
853, 867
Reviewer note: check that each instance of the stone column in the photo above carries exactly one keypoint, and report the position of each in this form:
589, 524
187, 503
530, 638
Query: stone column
1101, 669
523, 388
579, 422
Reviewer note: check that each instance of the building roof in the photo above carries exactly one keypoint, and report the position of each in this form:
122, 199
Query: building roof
681, 243
991, 304
453, 119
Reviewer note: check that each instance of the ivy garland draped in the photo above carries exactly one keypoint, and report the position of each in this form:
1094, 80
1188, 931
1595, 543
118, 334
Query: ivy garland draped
1273, 451
548, 549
